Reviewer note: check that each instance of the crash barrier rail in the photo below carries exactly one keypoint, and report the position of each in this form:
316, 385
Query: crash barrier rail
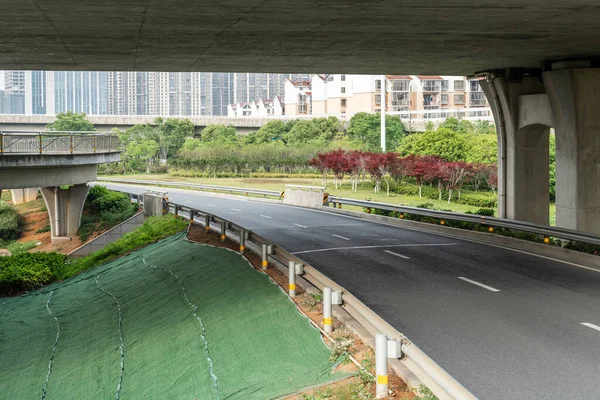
546, 231
395, 345
211, 188
18, 142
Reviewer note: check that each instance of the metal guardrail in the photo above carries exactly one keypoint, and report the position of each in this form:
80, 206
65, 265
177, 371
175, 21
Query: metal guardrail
212, 188
546, 231
426, 367
19, 142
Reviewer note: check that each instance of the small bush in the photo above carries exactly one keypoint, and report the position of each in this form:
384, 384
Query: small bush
9, 222
28, 271
44, 229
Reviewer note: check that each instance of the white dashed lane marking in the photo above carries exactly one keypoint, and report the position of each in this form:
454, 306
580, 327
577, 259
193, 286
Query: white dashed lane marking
265, 216
301, 226
590, 325
491, 289
341, 237
396, 254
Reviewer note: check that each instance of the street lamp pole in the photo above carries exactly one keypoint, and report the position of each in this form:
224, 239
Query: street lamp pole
382, 104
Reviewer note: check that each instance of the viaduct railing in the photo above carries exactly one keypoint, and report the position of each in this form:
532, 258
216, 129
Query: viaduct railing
17, 142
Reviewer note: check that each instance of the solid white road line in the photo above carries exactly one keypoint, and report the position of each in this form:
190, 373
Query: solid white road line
265, 216
301, 226
590, 325
341, 237
478, 284
373, 247
236, 209
396, 254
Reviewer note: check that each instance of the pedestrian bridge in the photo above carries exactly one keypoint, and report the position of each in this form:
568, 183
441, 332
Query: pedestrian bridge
52, 161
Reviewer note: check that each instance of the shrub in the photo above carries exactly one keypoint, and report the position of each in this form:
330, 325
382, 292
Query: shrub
28, 271
9, 222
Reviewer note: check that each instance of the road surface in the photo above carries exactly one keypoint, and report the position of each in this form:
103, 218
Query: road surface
505, 324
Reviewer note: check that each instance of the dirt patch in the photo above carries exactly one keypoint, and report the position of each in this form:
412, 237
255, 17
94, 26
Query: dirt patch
344, 343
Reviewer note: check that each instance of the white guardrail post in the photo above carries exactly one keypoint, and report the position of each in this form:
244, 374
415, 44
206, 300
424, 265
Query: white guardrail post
381, 365
327, 314
292, 278
242, 241
207, 222
265, 260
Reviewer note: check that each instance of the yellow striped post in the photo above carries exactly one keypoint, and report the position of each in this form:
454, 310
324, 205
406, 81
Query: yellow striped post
327, 317
381, 366
292, 278
265, 261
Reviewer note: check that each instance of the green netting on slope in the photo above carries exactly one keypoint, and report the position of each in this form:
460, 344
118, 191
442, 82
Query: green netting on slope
254, 342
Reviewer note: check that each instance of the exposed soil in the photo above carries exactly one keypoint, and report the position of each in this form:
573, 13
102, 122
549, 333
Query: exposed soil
313, 308
34, 217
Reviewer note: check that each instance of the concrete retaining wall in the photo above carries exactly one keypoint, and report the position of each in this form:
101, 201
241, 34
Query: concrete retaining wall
109, 236
305, 198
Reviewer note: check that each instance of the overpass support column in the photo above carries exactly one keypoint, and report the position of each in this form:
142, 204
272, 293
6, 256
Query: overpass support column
523, 121
64, 209
574, 94
20, 196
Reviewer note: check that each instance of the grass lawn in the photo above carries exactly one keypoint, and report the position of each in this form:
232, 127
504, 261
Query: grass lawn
365, 193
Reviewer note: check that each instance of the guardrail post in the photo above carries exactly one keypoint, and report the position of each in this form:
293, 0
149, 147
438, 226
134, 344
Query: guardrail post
1, 142
71, 143
265, 261
95, 143
327, 318
207, 222
242, 241
41, 143
191, 217
381, 365
176, 210
292, 278
223, 230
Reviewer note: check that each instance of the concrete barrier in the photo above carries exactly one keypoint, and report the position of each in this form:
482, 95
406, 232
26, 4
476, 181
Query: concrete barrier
109, 236
306, 196
153, 203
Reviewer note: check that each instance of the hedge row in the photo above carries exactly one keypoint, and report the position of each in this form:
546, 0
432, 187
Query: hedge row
28, 271
9, 223
468, 197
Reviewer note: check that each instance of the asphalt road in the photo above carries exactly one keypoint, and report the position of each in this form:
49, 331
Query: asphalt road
505, 324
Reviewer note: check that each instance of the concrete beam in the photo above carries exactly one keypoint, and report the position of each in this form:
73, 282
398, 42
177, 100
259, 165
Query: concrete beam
17, 178
64, 209
573, 96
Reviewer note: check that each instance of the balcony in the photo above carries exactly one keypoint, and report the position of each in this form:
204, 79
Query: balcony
432, 88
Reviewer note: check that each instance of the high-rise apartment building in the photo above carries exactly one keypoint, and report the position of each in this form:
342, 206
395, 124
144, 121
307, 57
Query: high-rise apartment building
14, 92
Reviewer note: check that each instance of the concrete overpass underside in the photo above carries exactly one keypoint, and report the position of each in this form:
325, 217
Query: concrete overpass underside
539, 61
355, 36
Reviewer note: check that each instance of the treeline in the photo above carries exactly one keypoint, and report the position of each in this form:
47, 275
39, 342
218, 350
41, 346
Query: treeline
395, 172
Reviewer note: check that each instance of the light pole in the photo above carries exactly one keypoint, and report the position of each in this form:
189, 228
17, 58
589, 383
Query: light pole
382, 103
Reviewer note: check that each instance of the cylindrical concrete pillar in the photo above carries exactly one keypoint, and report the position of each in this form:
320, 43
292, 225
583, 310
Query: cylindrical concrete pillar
381, 366
327, 313
292, 278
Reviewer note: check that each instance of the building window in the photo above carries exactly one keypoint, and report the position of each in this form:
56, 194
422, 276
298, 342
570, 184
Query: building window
343, 78
459, 85
444, 99
400, 85
343, 102
378, 84
343, 89
475, 87
430, 100
459, 98
477, 98
445, 85
377, 99
431, 86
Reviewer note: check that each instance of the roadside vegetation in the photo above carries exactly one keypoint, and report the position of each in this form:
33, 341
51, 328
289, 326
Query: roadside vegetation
104, 209
27, 271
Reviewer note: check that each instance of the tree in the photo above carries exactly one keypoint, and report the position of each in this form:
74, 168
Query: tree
443, 142
330, 128
302, 132
455, 173
219, 134
71, 122
379, 166
483, 148
144, 151
366, 128
421, 169
271, 131
171, 135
